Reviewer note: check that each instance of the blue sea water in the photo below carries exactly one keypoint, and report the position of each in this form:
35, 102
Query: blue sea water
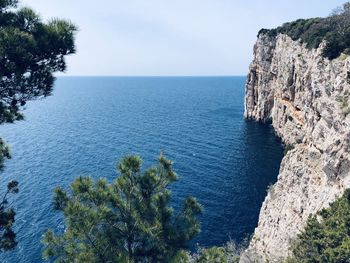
91, 122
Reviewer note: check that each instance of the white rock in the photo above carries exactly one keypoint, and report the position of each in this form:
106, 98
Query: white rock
304, 95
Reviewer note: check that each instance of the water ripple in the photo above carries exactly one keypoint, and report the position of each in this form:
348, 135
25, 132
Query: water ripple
90, 123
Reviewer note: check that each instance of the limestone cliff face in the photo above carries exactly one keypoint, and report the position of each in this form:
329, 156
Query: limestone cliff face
307, 99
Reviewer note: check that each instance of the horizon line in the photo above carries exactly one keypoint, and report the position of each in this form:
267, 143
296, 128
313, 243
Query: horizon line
143, 76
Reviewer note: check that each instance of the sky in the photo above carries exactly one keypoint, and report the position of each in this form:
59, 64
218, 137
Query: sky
171, 37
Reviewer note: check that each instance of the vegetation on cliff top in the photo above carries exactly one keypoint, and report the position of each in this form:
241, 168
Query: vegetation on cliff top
326, 237
334, 30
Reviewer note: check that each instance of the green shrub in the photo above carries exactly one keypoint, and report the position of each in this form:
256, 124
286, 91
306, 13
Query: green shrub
326, 237
288, 148
335, 30
213, 254
225, 254
344, 104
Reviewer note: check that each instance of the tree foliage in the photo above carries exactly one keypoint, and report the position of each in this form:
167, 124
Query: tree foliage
228, 253
334, 30
7, 218
30, 52
225, 254
326, 237
129, 220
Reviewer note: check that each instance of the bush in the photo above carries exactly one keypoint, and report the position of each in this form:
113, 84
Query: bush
213, 254
335, 30
225, 254
326, 237
344, 104
288, 148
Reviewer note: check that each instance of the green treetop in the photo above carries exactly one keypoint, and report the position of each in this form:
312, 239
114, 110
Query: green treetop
129, 220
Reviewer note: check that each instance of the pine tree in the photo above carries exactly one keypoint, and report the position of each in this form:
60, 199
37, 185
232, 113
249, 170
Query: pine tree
30, 52
326, 237
129, 220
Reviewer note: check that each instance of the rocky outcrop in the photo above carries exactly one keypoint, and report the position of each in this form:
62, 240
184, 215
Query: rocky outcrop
307, 99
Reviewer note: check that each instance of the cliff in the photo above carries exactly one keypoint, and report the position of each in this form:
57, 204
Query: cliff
307, 99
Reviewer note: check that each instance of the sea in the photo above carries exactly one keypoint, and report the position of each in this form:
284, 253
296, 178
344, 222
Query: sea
90, 123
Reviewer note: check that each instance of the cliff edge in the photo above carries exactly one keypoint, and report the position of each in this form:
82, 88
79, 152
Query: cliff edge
306, 97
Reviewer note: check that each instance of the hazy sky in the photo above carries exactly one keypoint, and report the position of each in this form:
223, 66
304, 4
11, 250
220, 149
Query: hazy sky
178, 37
